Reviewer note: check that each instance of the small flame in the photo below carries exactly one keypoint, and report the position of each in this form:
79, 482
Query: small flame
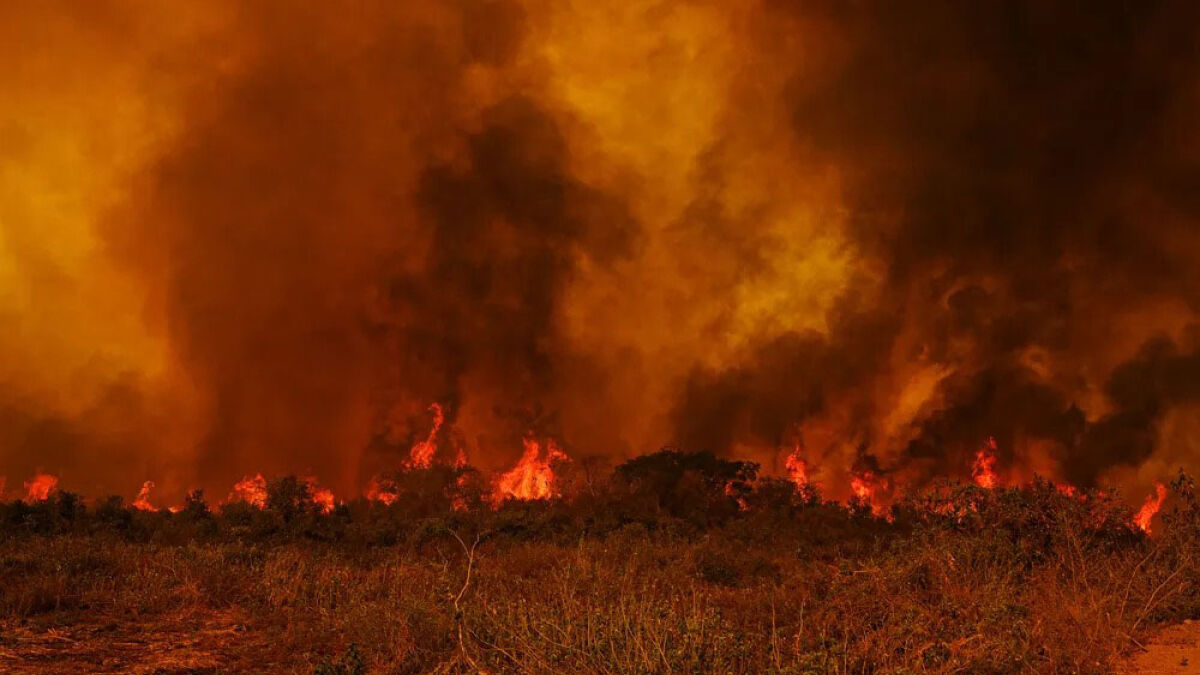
322, 497
533, 476
1151, 506
457, 502
40, 486
422, 452
142, 502
732, 492
378, 491
984, 470
1066, 489
252, 490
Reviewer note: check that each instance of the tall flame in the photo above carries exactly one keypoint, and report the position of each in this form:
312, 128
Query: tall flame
39, 487
142, 501
422, 452
1150, 507
533, 476
984, 469
797, 468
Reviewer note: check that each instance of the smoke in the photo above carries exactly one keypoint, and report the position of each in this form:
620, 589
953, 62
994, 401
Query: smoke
885, 232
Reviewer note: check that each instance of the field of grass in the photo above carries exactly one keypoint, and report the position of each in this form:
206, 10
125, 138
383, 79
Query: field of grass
959, 581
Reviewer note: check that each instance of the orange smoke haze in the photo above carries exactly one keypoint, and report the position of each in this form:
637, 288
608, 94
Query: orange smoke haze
245, 239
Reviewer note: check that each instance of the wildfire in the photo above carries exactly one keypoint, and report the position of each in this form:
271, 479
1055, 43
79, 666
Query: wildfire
1066, 489
984, 469
862, 486
40, 486
1150, 507
422, 452
252, 490
142, 501
533, 476
797, 468
381, 491
321, 496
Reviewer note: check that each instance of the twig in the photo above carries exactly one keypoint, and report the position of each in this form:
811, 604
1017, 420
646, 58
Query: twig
458, 615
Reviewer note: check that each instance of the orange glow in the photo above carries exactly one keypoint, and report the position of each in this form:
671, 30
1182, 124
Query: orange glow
422, 453
984, 470
1150, 507
142, 501
1066, 489
533, 476
39, 487
251, 490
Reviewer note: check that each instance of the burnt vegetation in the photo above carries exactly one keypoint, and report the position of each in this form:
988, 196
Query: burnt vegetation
671, 562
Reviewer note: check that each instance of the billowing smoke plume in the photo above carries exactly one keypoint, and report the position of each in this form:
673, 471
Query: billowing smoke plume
268, 237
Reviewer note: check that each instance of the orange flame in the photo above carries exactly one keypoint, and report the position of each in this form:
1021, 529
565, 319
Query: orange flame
1151, 506
40, 486
862, 488
252, 490
1066, 489
533, 476
322, 497
984, 470
142, 502
797, 468
422, 452
378, 491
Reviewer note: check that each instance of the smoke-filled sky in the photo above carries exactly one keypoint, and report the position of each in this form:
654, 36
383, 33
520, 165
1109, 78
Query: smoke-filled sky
240, 237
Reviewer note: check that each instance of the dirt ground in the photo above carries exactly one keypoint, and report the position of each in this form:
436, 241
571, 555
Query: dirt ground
1175, 650
194, 643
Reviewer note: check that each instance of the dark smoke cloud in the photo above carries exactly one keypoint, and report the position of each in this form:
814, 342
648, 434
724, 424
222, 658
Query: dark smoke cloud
1018, 168
338, 247
358, 211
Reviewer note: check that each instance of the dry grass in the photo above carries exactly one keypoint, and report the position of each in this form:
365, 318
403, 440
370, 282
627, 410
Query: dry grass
625, 604
966, 581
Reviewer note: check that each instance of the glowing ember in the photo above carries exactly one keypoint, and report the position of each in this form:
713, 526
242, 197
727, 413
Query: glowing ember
39, 487
1151, 506
797, 468
142, 501
252, 490
421, 454
533, 476
1065, 489
732, 492
984, 470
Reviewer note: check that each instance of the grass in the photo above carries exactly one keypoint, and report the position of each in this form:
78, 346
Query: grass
1014, 582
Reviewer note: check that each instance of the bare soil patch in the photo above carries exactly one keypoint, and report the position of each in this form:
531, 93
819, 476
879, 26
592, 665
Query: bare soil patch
1173, 651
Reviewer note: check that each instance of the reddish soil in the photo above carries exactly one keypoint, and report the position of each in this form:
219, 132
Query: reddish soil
193, 643
1174, 651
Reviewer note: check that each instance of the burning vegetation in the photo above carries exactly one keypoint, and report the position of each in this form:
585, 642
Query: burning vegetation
903, 272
